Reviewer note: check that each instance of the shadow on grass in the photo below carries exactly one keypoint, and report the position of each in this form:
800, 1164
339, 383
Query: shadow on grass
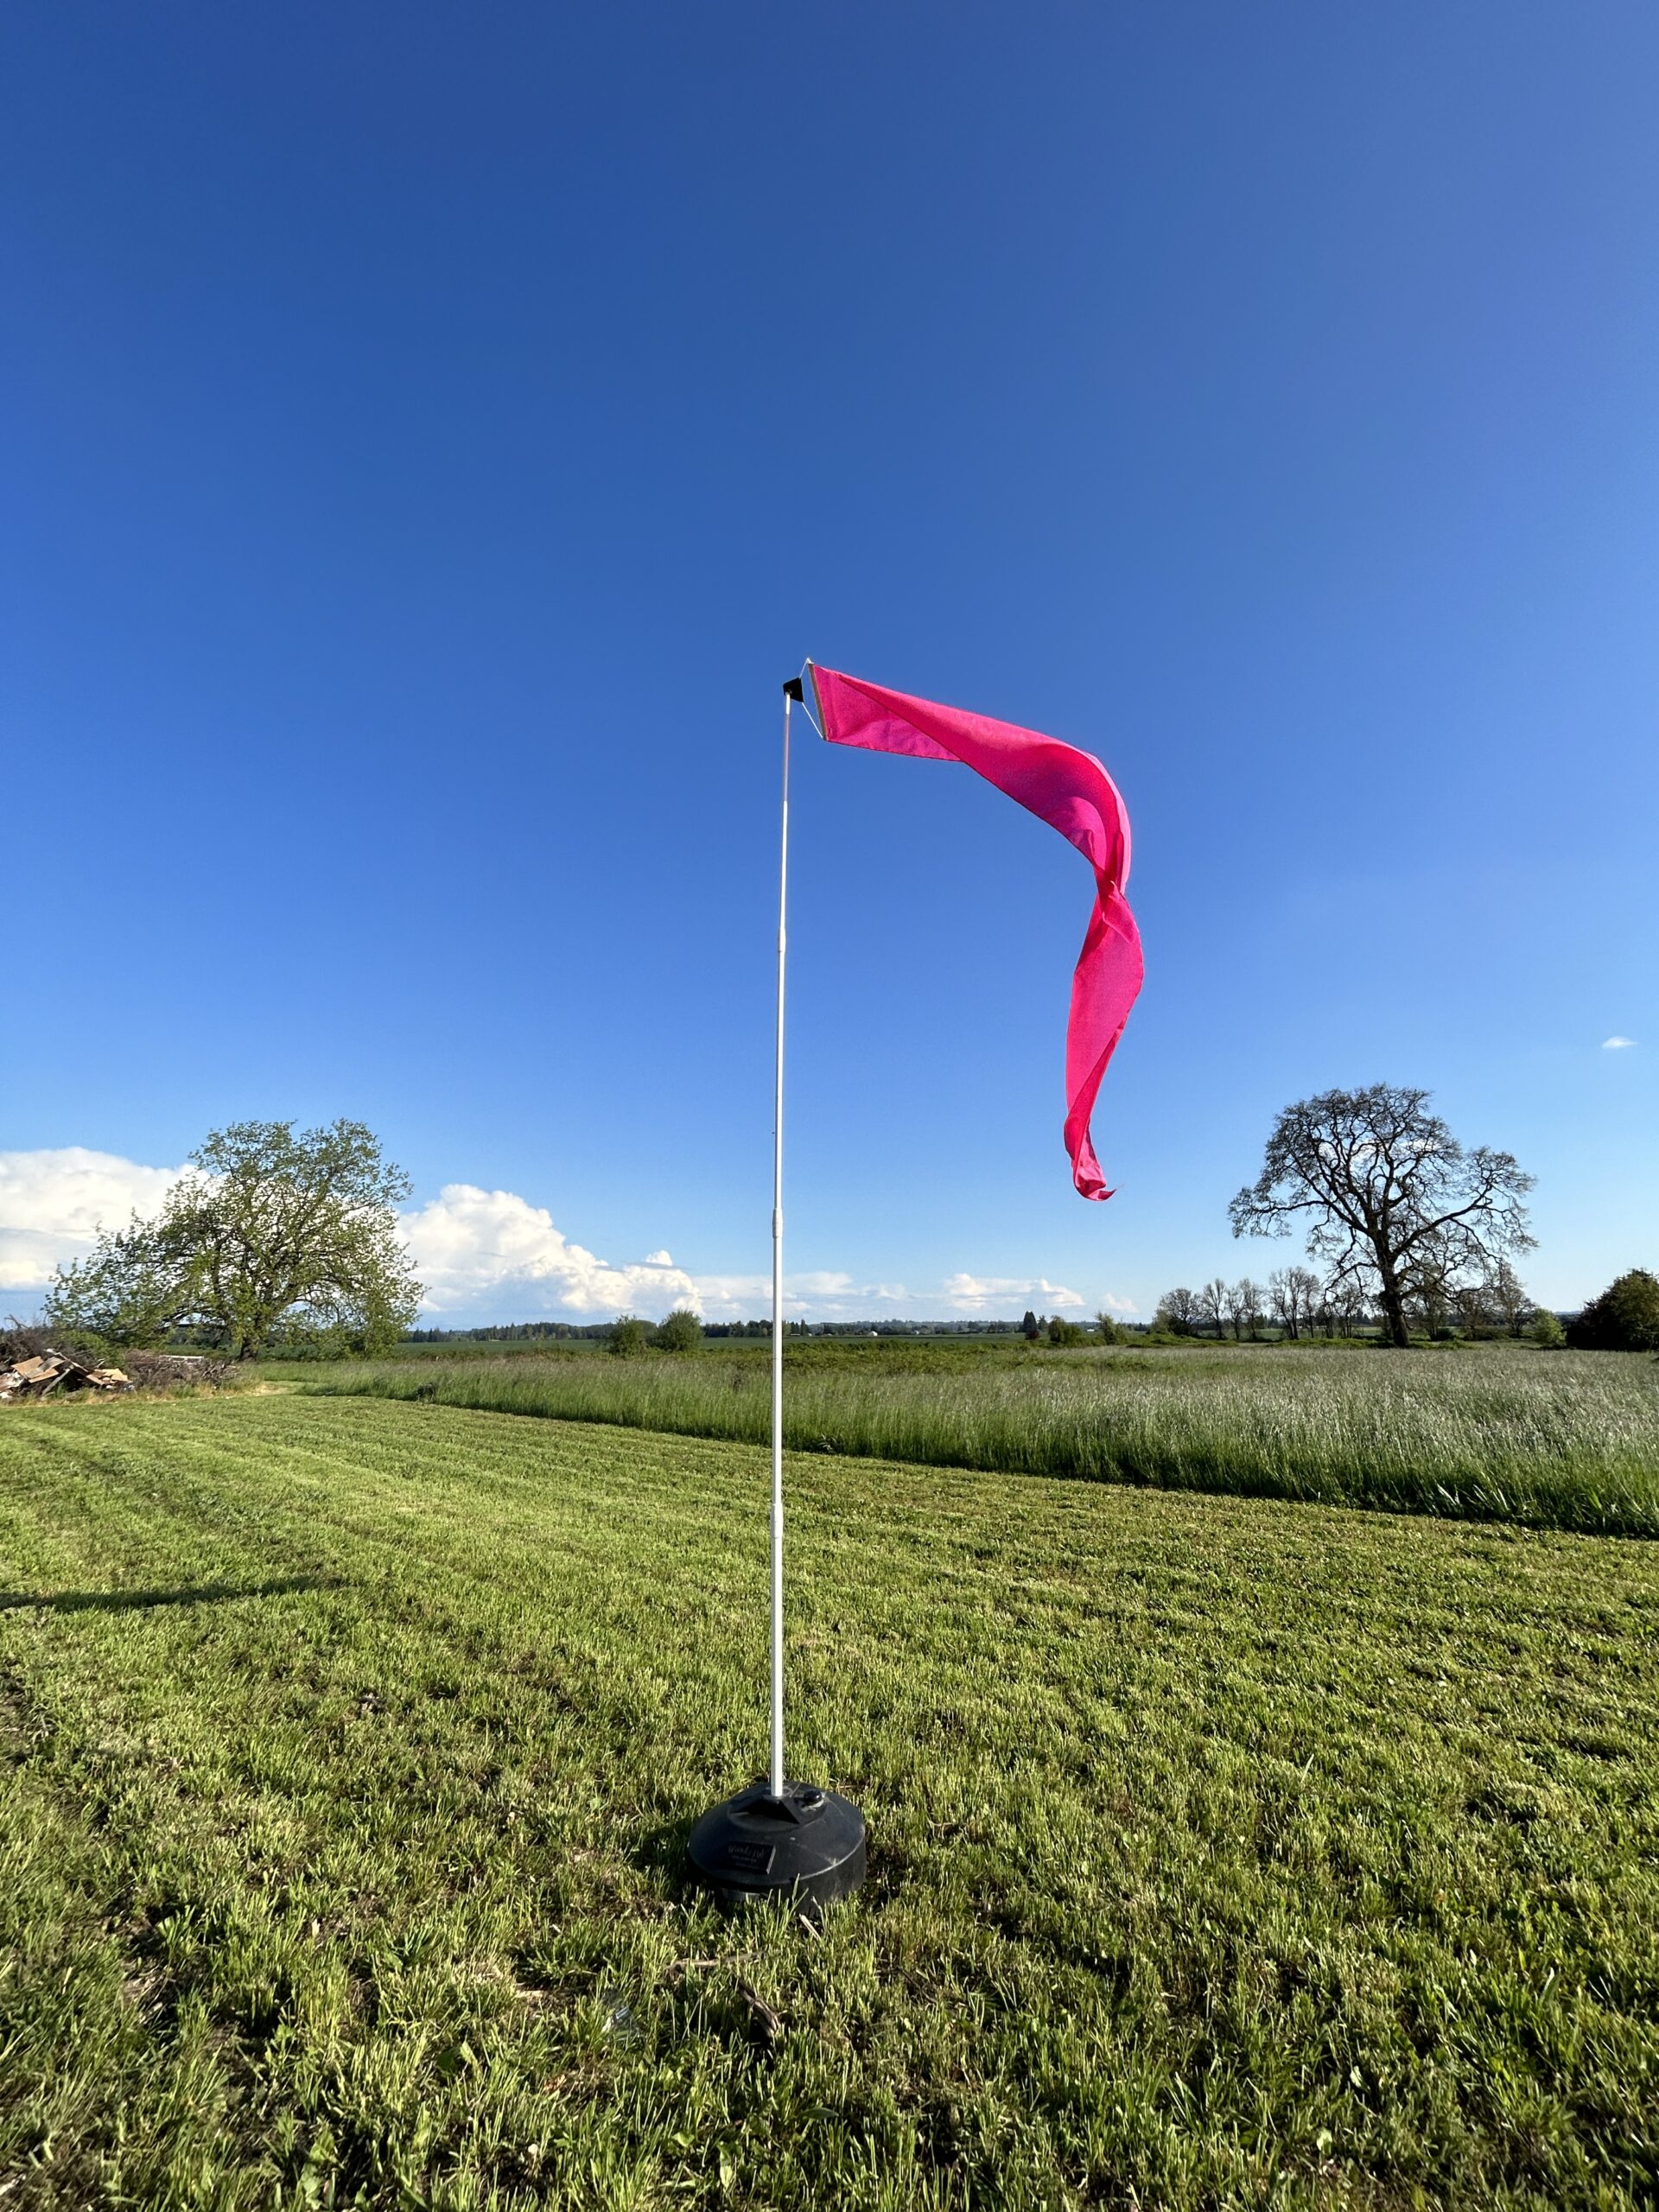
126, 1601
660, 1849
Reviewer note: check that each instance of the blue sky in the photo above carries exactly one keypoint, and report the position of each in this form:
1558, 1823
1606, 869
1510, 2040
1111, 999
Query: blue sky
430, 434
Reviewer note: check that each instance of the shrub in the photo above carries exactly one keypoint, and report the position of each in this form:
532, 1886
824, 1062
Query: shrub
1066, 1333
681, 1332
1625, 1317
1548, 1331
629, 1338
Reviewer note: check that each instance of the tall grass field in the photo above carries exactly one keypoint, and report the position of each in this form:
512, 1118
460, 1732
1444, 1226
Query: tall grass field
1493, 1432
1224, 1852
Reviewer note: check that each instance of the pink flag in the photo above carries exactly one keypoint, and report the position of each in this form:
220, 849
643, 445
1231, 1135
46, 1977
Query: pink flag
1073, 793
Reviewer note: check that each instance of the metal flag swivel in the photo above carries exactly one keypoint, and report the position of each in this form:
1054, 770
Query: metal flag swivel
779, 1838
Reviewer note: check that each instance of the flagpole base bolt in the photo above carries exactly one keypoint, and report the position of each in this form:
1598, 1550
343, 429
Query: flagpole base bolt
805, 1848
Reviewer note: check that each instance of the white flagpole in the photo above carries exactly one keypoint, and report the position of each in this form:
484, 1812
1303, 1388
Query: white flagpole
777, 1308
810, 1846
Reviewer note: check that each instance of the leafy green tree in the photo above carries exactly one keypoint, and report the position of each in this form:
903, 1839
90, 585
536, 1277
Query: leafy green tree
278, 1236
1107, 1326
130, 1291
629, 1338
1030, 1326
1178, 1314
1390, 1201
681, 1332
1625, 1317
1066, 1333
1547, 1330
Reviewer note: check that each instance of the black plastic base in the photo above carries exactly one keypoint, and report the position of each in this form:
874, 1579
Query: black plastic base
807, 1847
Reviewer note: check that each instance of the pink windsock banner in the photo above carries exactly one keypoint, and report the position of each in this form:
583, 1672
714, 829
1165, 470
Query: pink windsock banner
1069, 791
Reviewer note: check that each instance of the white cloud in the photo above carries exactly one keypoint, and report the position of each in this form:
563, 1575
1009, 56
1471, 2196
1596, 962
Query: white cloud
53, 1202
833, 1295
469, 1244
825, 1295
485, 1252
471, 1247
970, 1294
1616, 1044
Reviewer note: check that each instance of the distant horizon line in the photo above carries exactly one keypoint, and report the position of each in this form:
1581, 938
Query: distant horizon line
957, 1322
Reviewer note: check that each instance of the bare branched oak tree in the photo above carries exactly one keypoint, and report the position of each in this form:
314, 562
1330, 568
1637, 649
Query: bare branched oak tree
1391, 1201
1295, 1295
1244, 1308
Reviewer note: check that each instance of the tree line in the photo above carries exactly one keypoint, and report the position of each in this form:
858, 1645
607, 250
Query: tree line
1296, 1302
281, 1239
513, 1332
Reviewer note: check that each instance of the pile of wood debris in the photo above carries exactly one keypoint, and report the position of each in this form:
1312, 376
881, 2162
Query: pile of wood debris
42, 1373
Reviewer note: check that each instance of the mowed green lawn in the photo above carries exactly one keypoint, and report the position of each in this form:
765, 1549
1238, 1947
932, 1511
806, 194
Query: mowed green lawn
1224, 1852
1502, 1431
